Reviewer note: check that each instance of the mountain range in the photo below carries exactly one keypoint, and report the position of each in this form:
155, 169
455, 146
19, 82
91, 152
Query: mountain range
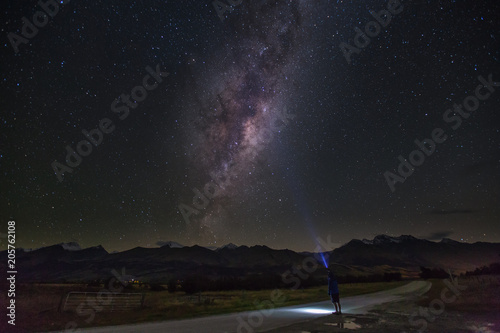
405, 254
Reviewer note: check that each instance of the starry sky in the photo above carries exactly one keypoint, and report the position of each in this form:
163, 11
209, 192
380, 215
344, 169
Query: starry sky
266, 122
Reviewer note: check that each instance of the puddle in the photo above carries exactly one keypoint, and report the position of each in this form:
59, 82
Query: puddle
347, 324
482, 328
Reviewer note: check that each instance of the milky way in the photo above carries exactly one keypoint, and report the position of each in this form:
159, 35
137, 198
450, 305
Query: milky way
235, 122
264, 97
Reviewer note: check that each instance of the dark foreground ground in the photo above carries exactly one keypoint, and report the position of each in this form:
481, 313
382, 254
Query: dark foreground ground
476, 309
387, 319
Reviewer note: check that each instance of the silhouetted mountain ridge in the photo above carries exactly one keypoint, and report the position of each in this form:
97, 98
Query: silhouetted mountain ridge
407, 252
68, 262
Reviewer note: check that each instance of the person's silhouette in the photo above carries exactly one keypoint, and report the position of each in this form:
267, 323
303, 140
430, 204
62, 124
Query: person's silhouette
333, 291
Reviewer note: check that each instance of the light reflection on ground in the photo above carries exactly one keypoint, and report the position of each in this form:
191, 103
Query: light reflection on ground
347, 323
313, 311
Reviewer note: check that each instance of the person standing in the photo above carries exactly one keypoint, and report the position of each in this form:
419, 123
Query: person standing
333, 292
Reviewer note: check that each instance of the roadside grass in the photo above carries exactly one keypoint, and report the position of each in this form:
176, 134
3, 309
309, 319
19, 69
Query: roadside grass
481, 296
38, 305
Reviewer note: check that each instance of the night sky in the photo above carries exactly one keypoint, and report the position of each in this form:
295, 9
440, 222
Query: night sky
288, 118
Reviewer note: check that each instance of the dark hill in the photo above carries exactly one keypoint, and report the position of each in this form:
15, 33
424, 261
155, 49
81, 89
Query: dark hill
67, 262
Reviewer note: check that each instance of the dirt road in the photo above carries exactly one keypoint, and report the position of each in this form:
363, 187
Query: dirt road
271, 319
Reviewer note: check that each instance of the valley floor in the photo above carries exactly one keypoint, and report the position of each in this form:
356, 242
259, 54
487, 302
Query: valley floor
394, 318
476, 309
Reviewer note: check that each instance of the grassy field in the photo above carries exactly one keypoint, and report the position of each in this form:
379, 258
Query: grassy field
482, 294
38, 304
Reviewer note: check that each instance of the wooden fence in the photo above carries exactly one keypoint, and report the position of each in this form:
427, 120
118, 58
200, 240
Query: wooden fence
102, 302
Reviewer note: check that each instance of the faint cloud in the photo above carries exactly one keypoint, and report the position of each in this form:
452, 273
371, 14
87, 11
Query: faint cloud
438, 235
481, 167
452, 211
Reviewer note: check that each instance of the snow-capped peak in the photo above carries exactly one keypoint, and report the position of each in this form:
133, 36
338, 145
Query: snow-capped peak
170, 244
228, 246
384, 239
71, 246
